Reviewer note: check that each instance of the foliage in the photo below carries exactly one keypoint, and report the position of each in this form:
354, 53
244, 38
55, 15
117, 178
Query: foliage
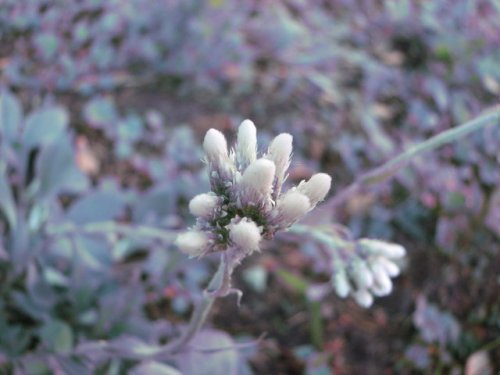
95, 186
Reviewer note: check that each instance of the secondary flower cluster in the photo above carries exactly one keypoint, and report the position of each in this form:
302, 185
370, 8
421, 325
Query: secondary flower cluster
367, 271
246, 204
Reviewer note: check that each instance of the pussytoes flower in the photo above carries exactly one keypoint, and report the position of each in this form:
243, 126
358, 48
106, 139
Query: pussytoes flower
246, 203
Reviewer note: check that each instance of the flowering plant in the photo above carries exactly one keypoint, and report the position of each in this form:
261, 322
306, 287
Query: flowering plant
246, 203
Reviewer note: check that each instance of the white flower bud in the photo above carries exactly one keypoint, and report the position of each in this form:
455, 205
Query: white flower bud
316, 188
382, 284
279, 152
292, 206
259, 176
341, 283
246, 235
363, 298
361, 274
246, 148
215, 145
390, 267
203, 205
192, 242
390, 250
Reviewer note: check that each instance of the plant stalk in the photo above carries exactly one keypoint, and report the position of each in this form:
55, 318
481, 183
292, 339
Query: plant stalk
391, 167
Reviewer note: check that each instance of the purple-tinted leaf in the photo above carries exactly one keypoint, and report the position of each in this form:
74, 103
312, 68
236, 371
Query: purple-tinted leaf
131, 346
210, 352
97, 206
419, 356
154, 368
435, 325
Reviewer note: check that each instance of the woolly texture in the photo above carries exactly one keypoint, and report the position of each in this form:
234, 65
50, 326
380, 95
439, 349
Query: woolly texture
203, 205
316, 188
280, 152
246, 149
292, 206
259, 176
246, 235
215, 145
192, 242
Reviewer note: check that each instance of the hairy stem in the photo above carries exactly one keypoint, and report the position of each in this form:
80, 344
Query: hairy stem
391, 167
110, 227
198, 316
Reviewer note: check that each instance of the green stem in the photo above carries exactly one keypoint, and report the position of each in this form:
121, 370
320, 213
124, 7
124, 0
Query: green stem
391, 167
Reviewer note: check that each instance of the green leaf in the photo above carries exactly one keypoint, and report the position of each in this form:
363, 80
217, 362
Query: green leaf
296, 282
57, 335
45, 126
7, 205
10, 115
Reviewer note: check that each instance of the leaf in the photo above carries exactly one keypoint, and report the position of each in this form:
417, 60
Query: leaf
133, 347
57, 335
54, 277
47, 44
10, 115
45, 126
7, 205
96, 206
297, 283
100, 112
154, 368
256, 278
210, 352
57, 171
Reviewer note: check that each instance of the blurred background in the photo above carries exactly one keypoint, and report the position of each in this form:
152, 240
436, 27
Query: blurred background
105, 105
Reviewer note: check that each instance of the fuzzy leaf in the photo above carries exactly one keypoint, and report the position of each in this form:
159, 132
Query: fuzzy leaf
154, 368
7, 205
10, 115
210, 352
45, 126
96, 206
57, 335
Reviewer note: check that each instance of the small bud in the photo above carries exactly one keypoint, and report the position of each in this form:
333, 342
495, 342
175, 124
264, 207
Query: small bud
341, 283
246, 235
203, 205
215, 145
316, 188
382, 284
192, 242
280, 151
363, 298
259, 176
292, 206
390, 250
361, 274
390, 267
246, 147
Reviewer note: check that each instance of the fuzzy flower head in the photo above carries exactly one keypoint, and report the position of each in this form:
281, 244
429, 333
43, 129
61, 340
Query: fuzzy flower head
365, 271
245, 204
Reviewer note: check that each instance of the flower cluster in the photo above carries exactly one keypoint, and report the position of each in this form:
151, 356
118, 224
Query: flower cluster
366, 272
246, 204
